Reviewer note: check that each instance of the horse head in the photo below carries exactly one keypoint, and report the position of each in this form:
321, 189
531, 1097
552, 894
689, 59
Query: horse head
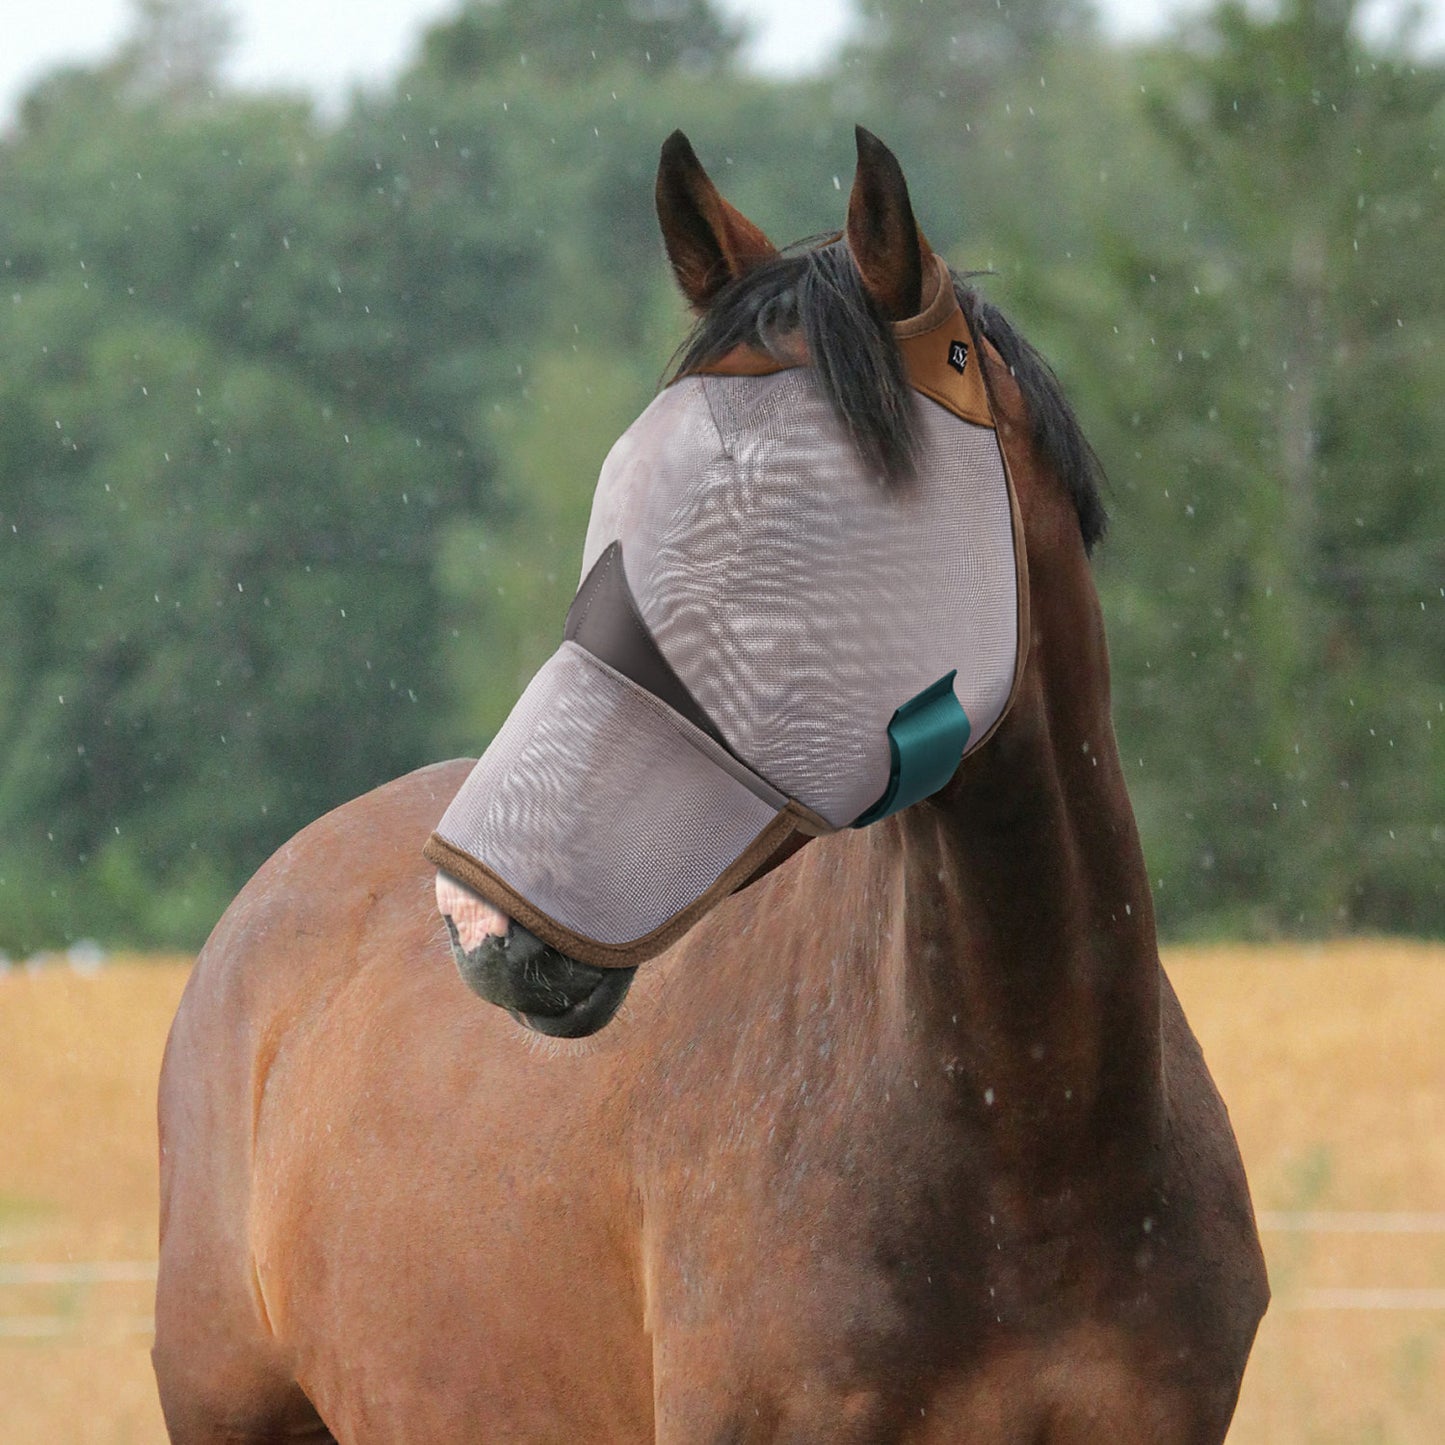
804, 602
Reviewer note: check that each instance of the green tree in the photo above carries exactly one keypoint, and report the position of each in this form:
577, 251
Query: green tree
1281, 345
223, 471
588, 360
256, 383
176, 48
936, 67
299, 422
569, 40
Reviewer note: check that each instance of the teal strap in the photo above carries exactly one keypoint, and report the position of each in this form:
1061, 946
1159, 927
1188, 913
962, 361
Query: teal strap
927, 737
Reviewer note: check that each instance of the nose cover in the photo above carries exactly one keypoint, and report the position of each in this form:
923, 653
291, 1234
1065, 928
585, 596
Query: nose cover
769, 643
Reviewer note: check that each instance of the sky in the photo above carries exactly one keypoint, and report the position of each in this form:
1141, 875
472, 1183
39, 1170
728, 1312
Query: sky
305, 43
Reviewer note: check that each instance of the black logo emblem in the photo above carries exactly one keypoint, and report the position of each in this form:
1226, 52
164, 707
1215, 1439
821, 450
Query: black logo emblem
957, 356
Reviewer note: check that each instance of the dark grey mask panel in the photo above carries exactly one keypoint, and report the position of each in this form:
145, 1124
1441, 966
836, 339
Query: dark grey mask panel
604, 619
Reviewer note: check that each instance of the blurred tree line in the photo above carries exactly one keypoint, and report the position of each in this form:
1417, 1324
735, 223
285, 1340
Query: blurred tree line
300, 414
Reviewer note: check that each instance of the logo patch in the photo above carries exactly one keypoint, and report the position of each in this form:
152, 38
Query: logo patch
957, 356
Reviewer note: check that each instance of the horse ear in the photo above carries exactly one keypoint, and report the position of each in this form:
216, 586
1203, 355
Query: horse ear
708, 242
887, 246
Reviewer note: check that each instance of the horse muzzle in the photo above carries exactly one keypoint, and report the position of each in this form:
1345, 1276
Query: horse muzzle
542, 989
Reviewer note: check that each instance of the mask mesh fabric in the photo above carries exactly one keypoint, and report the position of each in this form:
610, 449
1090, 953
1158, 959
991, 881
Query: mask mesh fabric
800, 599
601, 806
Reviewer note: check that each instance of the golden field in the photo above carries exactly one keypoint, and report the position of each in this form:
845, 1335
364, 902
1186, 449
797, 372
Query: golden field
1332, 1059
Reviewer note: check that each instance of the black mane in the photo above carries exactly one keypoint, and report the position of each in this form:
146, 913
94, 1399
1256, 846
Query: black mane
818, 292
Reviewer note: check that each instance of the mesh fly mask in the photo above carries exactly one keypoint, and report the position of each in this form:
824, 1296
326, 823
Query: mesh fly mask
768, 644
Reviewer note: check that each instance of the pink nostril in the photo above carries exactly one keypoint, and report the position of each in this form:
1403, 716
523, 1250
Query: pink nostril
472, 916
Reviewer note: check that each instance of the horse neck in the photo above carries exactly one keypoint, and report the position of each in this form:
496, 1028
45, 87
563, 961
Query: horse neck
1027, 954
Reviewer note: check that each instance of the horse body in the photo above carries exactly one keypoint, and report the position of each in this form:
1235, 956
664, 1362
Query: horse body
909, 1141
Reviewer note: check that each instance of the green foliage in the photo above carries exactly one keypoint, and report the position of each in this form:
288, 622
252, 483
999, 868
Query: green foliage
218, 518
1229, 276
299, 420
1291, 409
568, 40
929, 60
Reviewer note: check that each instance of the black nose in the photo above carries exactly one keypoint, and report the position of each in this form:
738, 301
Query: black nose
540, 987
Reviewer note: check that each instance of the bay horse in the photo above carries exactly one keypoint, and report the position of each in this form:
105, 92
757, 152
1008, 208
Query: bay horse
908, 1141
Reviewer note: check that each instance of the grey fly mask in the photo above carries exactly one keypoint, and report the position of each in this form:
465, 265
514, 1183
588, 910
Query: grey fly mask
768, 644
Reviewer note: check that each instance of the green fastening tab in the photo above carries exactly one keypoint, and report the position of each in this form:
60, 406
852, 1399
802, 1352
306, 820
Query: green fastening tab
927, 737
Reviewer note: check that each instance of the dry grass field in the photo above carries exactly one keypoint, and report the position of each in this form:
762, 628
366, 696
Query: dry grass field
1332, 1059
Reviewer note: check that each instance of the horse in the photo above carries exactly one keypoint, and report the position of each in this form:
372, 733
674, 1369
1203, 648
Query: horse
906, 1141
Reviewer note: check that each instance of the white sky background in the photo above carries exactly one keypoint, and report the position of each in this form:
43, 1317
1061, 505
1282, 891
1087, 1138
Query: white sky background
326, 46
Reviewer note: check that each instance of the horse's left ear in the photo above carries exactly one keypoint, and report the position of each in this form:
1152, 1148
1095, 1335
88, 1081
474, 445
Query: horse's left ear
887, 246
708, 242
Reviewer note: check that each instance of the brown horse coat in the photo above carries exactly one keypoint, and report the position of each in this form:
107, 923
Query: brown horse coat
910, 1141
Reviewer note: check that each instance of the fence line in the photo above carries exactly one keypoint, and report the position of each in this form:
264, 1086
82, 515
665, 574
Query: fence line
52, 1327
1367, 1299
1299, 1221
120, 1271
1362, 1221
42, 1327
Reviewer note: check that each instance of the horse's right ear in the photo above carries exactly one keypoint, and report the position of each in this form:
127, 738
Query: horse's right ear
708, 242
887, 246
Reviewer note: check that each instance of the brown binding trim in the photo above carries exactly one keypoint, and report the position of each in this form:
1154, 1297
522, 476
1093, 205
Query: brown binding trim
926, 342
1021, 564
745, 360
750, 862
